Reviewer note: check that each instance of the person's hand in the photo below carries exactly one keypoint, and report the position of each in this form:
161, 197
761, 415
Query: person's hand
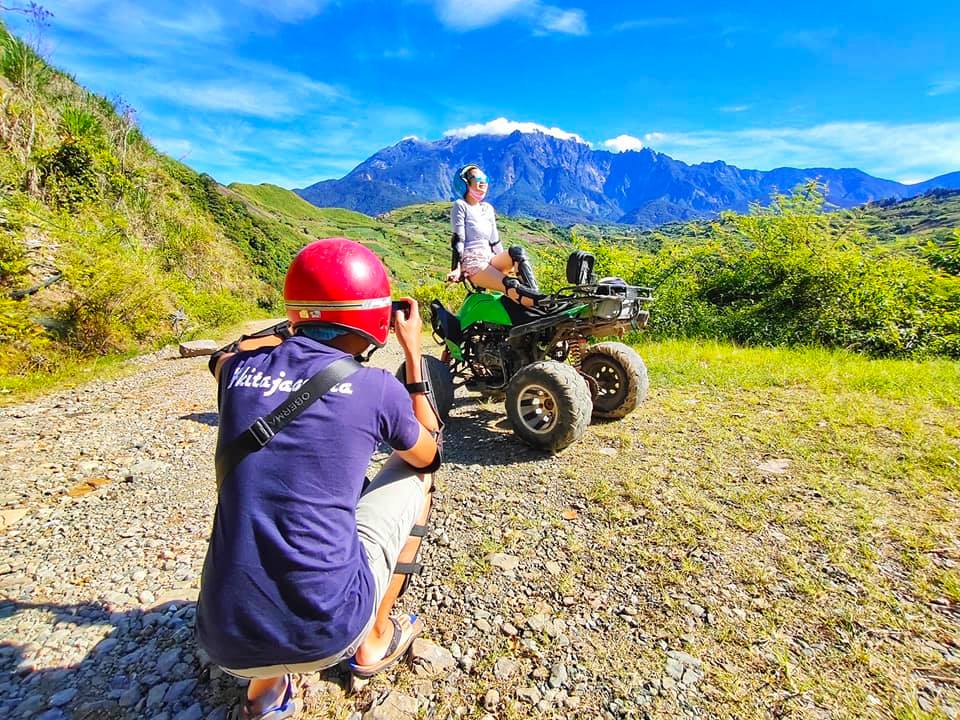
408, 329
453, 275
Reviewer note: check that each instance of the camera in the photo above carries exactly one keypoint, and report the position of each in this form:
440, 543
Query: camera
401, 306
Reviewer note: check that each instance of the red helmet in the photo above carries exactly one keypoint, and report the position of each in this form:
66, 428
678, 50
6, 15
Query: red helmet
339, 282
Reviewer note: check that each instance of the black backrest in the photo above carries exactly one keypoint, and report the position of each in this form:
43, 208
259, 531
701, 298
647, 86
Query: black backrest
580, 268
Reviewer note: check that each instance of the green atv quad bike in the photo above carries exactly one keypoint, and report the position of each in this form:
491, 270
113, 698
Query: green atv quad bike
539, 360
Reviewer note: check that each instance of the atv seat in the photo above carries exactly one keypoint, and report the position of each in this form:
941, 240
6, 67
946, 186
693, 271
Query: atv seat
521, 314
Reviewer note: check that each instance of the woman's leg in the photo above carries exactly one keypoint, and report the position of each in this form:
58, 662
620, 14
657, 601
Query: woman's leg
492, 279
503, 262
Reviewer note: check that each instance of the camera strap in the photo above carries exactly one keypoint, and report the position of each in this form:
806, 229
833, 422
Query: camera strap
265, 427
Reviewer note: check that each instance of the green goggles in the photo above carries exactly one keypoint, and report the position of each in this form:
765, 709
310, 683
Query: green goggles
479, 180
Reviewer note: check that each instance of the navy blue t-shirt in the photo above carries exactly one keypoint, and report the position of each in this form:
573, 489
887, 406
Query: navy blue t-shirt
286, 579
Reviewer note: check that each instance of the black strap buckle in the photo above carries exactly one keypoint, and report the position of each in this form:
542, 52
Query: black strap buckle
261, 431
418, 387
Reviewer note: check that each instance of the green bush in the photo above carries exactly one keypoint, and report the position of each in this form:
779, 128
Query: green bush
68, 175
25, 343
783, 274
78, 125
945, 255
451, 295
117, 300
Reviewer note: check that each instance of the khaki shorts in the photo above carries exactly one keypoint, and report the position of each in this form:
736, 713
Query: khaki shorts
386, 513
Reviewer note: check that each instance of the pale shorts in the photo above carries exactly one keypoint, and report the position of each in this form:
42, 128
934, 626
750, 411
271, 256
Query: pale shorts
386, 513
473, 262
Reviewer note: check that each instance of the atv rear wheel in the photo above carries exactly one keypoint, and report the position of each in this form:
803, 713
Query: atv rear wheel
548, 404
441, 383
621, 378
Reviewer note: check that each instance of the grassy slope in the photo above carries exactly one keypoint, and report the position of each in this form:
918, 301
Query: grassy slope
830, 583
136, 253
928, 216
412, 241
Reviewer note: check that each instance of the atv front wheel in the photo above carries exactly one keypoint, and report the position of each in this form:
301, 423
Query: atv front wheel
441, 383
548, 404
621, 379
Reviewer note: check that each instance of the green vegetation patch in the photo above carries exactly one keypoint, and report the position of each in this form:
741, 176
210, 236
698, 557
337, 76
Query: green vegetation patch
792, 517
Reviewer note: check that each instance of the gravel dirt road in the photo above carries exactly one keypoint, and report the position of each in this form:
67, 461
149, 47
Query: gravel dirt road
661, 567
107, 498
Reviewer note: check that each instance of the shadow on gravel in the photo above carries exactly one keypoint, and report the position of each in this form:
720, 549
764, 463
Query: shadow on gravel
480, 434
145, 664
204, 418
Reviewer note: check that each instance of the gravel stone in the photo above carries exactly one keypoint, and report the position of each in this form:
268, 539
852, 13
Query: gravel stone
529, 695
194, 712
156, 694
396, 706
558, 675
63, 697
504, 668
502, 561
430, 659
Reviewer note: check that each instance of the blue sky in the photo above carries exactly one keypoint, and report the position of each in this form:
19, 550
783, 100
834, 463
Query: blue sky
295, 91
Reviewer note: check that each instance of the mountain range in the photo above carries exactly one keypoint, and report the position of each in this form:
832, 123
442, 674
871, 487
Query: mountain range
567, 181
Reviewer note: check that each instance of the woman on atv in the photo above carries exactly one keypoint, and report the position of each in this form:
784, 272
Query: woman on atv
478, 254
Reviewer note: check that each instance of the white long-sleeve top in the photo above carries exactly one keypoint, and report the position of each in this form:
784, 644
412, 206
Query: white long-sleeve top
476, 229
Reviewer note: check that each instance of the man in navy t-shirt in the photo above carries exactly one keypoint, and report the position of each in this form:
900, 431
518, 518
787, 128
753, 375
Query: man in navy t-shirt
299, 573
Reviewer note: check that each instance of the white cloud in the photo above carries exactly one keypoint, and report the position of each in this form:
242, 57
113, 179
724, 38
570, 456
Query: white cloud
569, 22
908, 150
288, 10
141, 32
252, 100
502, 126
293, 153
623, 143
944, 87
470, 15
735, 108
465, 15
645, 23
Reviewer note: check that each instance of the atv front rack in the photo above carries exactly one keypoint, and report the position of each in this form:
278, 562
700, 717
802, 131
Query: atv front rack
602, 308
609, 301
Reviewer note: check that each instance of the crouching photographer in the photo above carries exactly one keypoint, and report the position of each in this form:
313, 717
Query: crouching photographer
306, 558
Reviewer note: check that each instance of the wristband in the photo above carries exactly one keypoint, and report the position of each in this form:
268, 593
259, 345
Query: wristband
418, 387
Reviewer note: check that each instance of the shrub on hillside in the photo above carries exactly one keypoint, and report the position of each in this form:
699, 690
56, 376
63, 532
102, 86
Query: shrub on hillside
945, 255
117, 300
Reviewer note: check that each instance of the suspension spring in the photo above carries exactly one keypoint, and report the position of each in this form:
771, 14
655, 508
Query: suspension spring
577, 348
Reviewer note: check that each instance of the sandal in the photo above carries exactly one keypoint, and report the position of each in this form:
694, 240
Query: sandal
289, 707
406, 628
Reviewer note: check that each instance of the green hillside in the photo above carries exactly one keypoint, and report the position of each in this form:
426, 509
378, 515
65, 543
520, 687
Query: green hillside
106, 245
903, 223
413, 241
931, 216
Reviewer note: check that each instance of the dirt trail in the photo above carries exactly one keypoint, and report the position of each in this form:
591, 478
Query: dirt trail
108, 492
